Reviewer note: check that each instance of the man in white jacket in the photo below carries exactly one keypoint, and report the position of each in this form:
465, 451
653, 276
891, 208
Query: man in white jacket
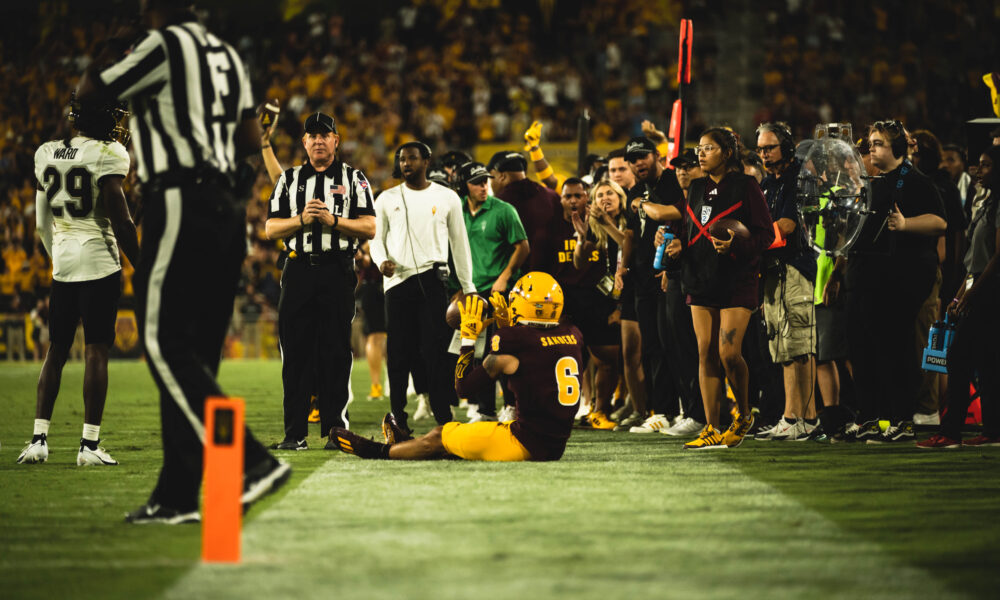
416, 223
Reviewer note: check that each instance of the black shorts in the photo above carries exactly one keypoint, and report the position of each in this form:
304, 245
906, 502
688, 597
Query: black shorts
831, 333
373, 307
589, 310
95, 301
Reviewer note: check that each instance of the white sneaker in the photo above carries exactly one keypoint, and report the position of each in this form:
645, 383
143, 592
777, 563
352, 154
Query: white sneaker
652, 424
98, 456
622, 413
34, 452
582, 411
423, 408
507, 414
685, 426
764, 433
922, 419
789, 432
472, 413
477, 417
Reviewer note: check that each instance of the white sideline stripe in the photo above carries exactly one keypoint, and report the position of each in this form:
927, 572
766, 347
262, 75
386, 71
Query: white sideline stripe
172, 199
285, 545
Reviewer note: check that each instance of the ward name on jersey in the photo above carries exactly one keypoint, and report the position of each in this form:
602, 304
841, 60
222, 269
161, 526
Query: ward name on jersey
80, 239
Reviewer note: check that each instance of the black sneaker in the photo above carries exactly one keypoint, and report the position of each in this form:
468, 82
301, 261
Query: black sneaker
291, 445
867, 431
352, 443
392, 432
262, 480
156, 513
901, 432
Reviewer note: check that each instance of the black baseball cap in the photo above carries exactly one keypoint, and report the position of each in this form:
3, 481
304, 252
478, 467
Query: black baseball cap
506, 161
474, 172
686, 159
437, 174
639, 146
320, 123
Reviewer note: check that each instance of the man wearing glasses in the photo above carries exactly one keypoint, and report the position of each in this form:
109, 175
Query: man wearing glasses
789, 270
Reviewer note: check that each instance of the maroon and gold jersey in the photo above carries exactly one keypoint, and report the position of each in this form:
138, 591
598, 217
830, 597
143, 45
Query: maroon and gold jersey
546, 385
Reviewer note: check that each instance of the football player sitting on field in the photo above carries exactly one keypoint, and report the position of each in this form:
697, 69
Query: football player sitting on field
541, 359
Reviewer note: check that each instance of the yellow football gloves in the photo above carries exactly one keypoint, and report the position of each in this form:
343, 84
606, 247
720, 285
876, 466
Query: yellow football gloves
471, 310
533, 137
501, 312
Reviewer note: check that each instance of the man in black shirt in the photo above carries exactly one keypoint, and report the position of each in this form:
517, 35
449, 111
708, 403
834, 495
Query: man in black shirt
789, 276
653, 200
890, 271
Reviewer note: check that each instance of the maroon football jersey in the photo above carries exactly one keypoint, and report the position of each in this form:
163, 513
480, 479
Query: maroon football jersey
546, 385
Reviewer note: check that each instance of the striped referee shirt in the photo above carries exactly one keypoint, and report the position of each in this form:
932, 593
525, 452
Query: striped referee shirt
343, 189
187, 92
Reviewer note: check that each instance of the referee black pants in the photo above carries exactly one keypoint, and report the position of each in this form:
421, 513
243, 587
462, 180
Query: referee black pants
193, 243
416, 333
314, 329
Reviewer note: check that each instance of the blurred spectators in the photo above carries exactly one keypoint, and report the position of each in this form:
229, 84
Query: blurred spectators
456, 74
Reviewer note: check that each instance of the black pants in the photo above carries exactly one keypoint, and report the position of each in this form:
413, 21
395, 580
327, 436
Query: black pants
974, 351
314, 328
193, 244
662, 392
681, 348
417, 334
883, 300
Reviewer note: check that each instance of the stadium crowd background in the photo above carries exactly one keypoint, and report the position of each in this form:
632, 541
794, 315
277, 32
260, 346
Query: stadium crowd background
456, 74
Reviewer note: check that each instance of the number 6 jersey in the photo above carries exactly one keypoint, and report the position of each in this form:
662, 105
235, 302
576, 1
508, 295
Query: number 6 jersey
546, 385
71, 219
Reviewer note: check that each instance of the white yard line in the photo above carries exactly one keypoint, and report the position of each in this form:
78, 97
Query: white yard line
724, 536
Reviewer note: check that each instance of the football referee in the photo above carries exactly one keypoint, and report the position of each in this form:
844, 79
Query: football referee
193, 125
320, 209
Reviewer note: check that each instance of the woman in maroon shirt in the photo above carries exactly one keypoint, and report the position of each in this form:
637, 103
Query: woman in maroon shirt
720, 277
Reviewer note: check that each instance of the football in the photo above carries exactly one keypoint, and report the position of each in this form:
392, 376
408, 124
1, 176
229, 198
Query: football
454, 317
720, 229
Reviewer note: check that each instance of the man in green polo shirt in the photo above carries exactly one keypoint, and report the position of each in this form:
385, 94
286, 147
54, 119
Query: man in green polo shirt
496, 235
499, 248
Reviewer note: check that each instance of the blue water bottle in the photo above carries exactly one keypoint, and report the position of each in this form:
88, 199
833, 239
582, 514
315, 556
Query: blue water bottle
668, 236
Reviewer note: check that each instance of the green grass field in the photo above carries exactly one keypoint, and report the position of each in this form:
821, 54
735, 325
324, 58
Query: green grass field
621, 516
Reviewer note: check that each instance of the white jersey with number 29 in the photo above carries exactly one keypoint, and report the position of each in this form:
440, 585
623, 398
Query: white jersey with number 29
72, 221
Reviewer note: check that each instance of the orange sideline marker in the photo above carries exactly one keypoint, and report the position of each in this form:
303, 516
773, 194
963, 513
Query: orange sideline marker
222, 512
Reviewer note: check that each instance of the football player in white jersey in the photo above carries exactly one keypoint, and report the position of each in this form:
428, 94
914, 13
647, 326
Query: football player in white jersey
83, 221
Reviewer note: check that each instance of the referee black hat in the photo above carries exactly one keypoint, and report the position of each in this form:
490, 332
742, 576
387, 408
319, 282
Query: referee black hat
320, 123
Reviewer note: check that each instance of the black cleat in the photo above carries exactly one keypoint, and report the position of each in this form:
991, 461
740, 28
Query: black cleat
156, 513
287, 444
353, 443
263, 479
392, 432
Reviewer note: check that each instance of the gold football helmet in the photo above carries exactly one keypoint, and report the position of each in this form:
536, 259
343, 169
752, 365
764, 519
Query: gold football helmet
536, 300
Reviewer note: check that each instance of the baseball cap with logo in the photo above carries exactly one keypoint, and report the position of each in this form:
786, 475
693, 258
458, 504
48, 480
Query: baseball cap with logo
687, 159
474, 172
320, 123
639, 146
506, 161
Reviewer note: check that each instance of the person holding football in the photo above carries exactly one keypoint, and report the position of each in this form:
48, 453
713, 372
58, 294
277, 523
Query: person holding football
541, 359
720, 276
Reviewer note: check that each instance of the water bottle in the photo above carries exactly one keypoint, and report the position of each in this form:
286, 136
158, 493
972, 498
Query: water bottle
668, 236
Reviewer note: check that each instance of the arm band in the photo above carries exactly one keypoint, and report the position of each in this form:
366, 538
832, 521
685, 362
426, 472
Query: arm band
470, 380
546, 173
336, 221
536, 154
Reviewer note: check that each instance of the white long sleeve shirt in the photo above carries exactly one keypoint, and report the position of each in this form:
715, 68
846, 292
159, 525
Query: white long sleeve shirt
413, 229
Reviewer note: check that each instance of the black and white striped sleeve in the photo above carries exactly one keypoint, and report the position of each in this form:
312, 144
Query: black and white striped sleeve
144, 68
279, 206
361, 194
